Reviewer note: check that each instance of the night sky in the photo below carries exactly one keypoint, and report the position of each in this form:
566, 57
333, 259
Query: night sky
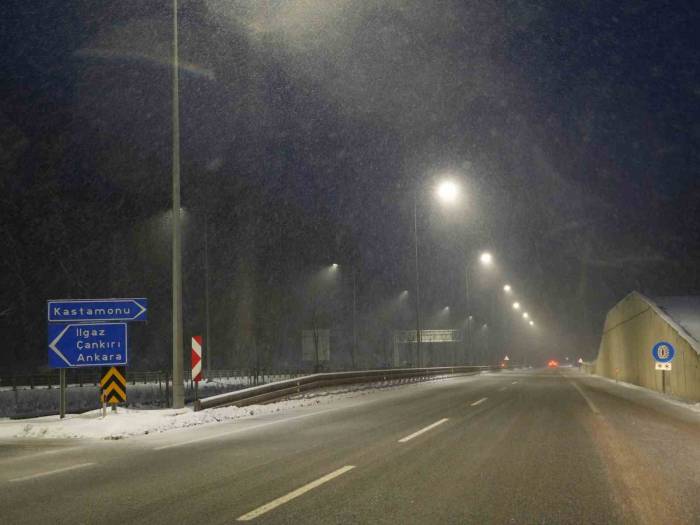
307, 128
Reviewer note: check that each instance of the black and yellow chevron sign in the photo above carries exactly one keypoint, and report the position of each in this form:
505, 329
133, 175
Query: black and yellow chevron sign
113, 385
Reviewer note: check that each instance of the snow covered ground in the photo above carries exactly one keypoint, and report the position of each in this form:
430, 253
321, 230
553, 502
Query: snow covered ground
38, 401
131, 422
648, 394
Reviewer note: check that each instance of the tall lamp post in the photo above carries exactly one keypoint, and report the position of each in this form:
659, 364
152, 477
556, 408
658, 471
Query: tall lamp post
415, 242
354, 316
485, 259
447, 192
207, 341
178, 376
353, 354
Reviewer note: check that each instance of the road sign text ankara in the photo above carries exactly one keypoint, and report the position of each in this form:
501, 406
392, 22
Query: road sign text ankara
86, 310
95, 344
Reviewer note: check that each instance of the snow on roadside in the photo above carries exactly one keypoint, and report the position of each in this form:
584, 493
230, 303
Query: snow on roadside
132, 422
652, 394
127, 422
42, 400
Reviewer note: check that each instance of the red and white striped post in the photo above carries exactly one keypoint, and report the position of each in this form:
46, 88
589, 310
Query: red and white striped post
196, 362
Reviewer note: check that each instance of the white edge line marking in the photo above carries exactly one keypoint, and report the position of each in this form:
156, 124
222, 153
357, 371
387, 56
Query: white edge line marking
590, 402
479, 401
50, 472
39, 454
502, 389
422, 430
294, 494
513, 382
239, 430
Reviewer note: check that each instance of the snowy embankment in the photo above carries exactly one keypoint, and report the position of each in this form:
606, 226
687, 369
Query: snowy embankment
131, 422
646, 393
24, 402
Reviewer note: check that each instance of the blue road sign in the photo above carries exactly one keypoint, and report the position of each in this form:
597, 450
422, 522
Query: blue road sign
663, 352
95, 344
85, 310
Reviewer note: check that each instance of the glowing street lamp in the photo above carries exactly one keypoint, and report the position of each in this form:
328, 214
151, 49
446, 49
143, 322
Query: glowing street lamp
516, 305
507, 288
448, 192
525, 315
486, 259
532, 323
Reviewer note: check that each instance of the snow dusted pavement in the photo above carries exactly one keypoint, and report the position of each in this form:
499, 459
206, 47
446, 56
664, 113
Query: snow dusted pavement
535, 446
130, 422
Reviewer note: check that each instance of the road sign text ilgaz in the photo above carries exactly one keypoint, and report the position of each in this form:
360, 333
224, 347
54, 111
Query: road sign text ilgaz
96, 344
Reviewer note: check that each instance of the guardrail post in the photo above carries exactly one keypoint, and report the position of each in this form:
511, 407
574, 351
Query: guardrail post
167, 389
62, 399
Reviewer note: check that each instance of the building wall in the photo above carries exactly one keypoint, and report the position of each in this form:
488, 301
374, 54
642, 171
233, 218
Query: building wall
631, 329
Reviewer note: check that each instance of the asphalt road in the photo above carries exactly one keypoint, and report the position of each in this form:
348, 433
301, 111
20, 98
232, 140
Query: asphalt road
541, 446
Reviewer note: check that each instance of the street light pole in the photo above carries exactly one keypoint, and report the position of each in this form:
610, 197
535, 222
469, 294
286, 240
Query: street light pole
178, 377
207, 341
415, 241
354, 316
468, 335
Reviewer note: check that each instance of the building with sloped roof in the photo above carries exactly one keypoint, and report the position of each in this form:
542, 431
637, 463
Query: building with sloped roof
632, 328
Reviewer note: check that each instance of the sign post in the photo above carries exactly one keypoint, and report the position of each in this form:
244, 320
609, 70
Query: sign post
62, 393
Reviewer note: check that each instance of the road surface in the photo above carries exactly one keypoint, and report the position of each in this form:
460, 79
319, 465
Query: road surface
539, 446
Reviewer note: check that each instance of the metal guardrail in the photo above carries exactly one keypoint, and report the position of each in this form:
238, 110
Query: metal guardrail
280, 389
91, 377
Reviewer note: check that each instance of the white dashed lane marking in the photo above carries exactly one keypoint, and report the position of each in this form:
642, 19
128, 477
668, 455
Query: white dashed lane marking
294, 494
422, 430
50, 472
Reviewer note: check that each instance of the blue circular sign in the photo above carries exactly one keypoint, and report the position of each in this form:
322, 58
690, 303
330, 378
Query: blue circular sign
663, 352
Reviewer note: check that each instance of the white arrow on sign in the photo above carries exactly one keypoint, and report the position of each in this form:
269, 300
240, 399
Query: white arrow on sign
663, 366
52, 345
